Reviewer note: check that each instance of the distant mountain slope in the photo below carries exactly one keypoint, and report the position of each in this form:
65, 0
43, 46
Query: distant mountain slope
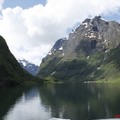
85, 55
30, 67
11, 73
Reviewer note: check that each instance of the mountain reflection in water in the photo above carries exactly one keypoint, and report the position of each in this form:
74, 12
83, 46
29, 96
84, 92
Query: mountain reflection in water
71, 101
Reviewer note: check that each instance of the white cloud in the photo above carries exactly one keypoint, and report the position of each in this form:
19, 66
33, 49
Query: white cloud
31, 32
28, 108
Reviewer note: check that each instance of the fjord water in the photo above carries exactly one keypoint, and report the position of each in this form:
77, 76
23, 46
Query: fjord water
74, 101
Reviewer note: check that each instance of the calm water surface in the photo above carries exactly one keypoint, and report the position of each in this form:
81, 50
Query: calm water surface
73, 101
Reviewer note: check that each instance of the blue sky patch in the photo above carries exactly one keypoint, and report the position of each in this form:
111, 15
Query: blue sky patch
22, 3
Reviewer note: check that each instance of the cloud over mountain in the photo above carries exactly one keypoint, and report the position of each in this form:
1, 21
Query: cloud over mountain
31, 32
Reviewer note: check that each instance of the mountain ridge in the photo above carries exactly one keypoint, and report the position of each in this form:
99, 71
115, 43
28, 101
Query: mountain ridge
30, 67
85, 51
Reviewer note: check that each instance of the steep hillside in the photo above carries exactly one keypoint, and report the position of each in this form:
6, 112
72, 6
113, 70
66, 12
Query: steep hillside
109, 70
87, 54
11, 73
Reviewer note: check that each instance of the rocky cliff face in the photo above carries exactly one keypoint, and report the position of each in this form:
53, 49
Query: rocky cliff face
93, 35
56, 52
85, 50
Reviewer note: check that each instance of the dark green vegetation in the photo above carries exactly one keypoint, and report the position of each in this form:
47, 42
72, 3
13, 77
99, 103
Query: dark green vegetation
11, 73
80, 69
111, 66
92, 52
100, 66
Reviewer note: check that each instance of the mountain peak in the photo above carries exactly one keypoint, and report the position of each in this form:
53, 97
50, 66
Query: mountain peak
30, 67
97, 18
86, 20
93, 36
59, 44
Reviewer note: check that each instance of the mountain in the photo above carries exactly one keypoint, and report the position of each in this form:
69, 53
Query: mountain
30, 67
88, 54
11, 73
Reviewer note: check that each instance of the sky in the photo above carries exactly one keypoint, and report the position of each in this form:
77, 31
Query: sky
31, 27
22, 3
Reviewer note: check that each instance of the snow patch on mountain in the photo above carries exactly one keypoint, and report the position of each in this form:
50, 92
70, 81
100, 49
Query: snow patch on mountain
30, 67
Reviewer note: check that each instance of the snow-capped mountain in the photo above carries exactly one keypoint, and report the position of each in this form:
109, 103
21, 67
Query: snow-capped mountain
58, 46
30, 67
90, 52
